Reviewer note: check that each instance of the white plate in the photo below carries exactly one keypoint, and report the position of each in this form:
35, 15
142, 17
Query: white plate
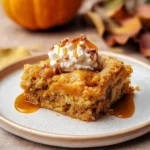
44, 126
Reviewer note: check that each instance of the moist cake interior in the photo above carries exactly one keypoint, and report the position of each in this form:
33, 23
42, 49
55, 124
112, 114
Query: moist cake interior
82, 94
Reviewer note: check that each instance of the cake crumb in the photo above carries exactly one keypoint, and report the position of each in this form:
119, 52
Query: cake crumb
57, 115
137, 88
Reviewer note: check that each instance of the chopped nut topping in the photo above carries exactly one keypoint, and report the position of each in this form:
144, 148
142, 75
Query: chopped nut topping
57, 60
74, 40
92, 52
83, 46
57, 69
83, 37
52, 48
64, 42
66, 57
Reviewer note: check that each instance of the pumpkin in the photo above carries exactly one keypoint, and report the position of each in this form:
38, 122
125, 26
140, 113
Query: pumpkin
41, 14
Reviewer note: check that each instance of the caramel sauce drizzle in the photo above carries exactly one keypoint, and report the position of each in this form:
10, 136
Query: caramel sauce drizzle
124, 108
58, 53
75, 43
58, 49
65, 52
91, 45
25, 107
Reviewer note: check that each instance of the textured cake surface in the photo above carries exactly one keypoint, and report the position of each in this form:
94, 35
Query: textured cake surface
82, 94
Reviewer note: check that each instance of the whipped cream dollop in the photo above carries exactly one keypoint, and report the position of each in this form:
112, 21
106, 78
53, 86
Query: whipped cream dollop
74, 54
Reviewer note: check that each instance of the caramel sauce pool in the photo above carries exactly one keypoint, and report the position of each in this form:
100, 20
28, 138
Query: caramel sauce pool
125, 107
24, 107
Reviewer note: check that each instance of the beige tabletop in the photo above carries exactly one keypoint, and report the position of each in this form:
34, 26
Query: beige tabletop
11, 35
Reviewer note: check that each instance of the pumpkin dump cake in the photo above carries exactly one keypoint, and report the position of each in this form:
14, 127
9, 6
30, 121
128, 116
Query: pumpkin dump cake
76, 80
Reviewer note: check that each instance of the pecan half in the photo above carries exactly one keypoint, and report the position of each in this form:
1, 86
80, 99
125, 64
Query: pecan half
92, 52
83, 37
57, 69
52, 48
82, 45
64, 42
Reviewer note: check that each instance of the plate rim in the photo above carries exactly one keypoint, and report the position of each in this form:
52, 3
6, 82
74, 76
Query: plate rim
6, 123
29, 130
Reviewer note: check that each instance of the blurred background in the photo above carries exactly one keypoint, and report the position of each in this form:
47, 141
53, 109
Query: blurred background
30, 27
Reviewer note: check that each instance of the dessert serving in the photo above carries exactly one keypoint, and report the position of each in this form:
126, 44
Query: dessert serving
76, 80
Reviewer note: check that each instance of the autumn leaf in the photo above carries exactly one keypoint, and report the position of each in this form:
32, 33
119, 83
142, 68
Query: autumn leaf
120, 35
143, 11
111, 39
117, 21
97, 21
106, 8
10, 55
145, 44
113, 6
129, 26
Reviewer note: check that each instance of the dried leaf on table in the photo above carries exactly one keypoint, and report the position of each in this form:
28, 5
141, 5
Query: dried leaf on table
145, 44
10, 55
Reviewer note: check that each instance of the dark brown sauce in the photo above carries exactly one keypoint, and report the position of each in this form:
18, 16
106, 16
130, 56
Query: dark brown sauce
24, 107
124, 108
